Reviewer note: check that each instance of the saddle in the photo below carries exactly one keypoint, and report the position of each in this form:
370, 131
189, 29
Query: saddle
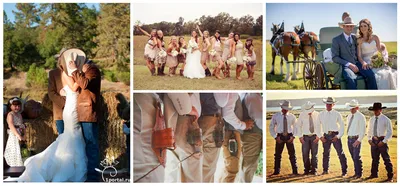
163, 138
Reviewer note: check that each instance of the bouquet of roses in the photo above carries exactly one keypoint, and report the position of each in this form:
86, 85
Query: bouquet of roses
246, 59
162, 54
232, 60
174, 53
183, 50
212, 52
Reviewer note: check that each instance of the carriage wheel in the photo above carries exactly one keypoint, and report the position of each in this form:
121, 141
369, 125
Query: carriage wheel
319, 77
309, 74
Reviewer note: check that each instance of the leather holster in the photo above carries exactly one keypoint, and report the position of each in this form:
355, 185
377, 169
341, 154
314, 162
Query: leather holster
162, 138
194, 136
218, 133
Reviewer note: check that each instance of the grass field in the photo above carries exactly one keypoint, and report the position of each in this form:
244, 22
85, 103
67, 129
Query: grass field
144, 81
334, 168
275, 82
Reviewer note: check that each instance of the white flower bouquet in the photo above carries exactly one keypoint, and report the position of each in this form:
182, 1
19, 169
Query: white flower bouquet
174, 53
183, 51
232, 60
246, 58
212, 52
162, 53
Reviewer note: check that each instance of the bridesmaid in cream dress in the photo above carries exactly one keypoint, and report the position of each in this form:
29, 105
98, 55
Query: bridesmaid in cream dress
150, 48
182, 56
205, 45
172, 61
252, 60
216, 45
238, 53
160, 60
229, 43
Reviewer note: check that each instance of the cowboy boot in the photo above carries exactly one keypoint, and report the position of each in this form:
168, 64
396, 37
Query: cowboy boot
153, 71
208, 73
181, 72
214, 71
162, 69
174, 70
217, 72
227, 71
171, 73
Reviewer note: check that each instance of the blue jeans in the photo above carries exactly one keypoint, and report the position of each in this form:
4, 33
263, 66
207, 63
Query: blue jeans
384, 152
355, 155
310, 165
91, 133
60, 126
339, 151
351, 77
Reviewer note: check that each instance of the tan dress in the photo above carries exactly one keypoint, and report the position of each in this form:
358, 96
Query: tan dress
205, 56
150, 52
218, 49
253, 60
160, 60
182, 57
226, 51
239, 53
172, 61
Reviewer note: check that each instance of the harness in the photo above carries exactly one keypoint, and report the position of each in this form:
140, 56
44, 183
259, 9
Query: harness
278, 37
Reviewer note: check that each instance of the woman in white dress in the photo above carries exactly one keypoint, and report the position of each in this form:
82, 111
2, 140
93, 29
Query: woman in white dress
193, 67
65, 159
368, 46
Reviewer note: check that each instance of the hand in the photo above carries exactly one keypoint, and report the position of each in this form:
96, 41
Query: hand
334, 139
278, 139
316, 140
291, 139
194, 113
381, 144
365, 66
249, 124
370, 143
323, 139
356, 144
354, 68
63, 93
301, 140
85, 68
72, 65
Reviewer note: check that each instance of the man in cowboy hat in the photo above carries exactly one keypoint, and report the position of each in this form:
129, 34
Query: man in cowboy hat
356, 124
57, 94
344, 52
333, 129
282, 130
89, 81
308, 129
379, 133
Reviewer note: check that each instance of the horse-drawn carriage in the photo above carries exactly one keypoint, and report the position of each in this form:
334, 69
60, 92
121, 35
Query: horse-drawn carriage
318, 73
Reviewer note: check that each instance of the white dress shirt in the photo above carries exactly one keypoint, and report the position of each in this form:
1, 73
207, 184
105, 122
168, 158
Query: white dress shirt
276, 126
253, 102
358, 125
228, 102
384, 127
331, 121
183, 102
303, 124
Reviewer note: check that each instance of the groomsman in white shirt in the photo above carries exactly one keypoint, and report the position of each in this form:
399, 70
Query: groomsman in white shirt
308, 129
281, 129
333, 129
356, 125
379, 133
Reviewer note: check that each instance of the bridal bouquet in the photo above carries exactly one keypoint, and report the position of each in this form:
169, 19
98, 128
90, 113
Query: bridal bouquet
212, 52
162, 54
174, 53
183, 51
379, 61
232, 60
193, 45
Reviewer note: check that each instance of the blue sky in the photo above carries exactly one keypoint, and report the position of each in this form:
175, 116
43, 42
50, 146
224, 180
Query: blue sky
9, 7
383, 16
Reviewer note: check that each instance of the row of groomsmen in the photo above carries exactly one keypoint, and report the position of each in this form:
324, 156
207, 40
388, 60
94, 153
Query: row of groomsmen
328, 127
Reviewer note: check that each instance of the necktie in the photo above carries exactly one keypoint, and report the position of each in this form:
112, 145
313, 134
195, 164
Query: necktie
351, 121
349, 40
311, 123
285, 127
376, 127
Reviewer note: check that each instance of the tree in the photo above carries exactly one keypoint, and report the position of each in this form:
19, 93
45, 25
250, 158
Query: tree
178, 29
113, 33
246, 25
8, 28
26, 15
257, 29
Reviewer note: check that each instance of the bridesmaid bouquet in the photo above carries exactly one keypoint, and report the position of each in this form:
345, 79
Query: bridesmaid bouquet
232, 60
212, 52
246, 58
174, 53
183, 51
162, 54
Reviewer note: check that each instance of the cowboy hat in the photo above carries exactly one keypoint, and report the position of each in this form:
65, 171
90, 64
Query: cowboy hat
376, 106
353, 104
347, 21
286, 105
73, 54
308, 107
329, 100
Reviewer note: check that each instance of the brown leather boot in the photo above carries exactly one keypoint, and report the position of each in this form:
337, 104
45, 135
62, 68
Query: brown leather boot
171, 71
214, 72
162, 69
227, 71
217, 72
181, 72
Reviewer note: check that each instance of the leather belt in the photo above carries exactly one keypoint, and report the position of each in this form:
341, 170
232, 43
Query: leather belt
213, 115
283, 134
309, 135
332, 132
353, 137
378, 137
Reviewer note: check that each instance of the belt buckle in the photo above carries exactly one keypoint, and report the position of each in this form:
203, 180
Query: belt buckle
285, 134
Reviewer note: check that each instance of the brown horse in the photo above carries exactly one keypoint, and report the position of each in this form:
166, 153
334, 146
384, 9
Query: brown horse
308, 41
282, 44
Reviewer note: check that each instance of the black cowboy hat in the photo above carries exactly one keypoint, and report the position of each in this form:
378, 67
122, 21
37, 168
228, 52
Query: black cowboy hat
376, 106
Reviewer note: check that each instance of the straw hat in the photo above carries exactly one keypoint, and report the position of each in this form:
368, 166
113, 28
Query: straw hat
329, 100
352, 104
286, 105
308, 107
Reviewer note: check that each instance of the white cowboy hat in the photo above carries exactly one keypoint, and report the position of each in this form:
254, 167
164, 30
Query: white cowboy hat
308, 107
72, 54
329, 100
286, 105
353, 104
347, 21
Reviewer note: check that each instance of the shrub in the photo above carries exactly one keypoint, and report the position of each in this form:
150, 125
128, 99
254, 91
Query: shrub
124, 77
109, 75
36, 76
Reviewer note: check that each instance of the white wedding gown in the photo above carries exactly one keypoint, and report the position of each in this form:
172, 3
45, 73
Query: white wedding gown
65, 159
193, 67
386, 77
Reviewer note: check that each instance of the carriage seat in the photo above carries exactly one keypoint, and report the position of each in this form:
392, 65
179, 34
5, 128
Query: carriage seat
14, 171
336, 70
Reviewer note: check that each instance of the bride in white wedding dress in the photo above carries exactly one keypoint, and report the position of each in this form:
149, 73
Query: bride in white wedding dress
65, 159
368, 46
193, 67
